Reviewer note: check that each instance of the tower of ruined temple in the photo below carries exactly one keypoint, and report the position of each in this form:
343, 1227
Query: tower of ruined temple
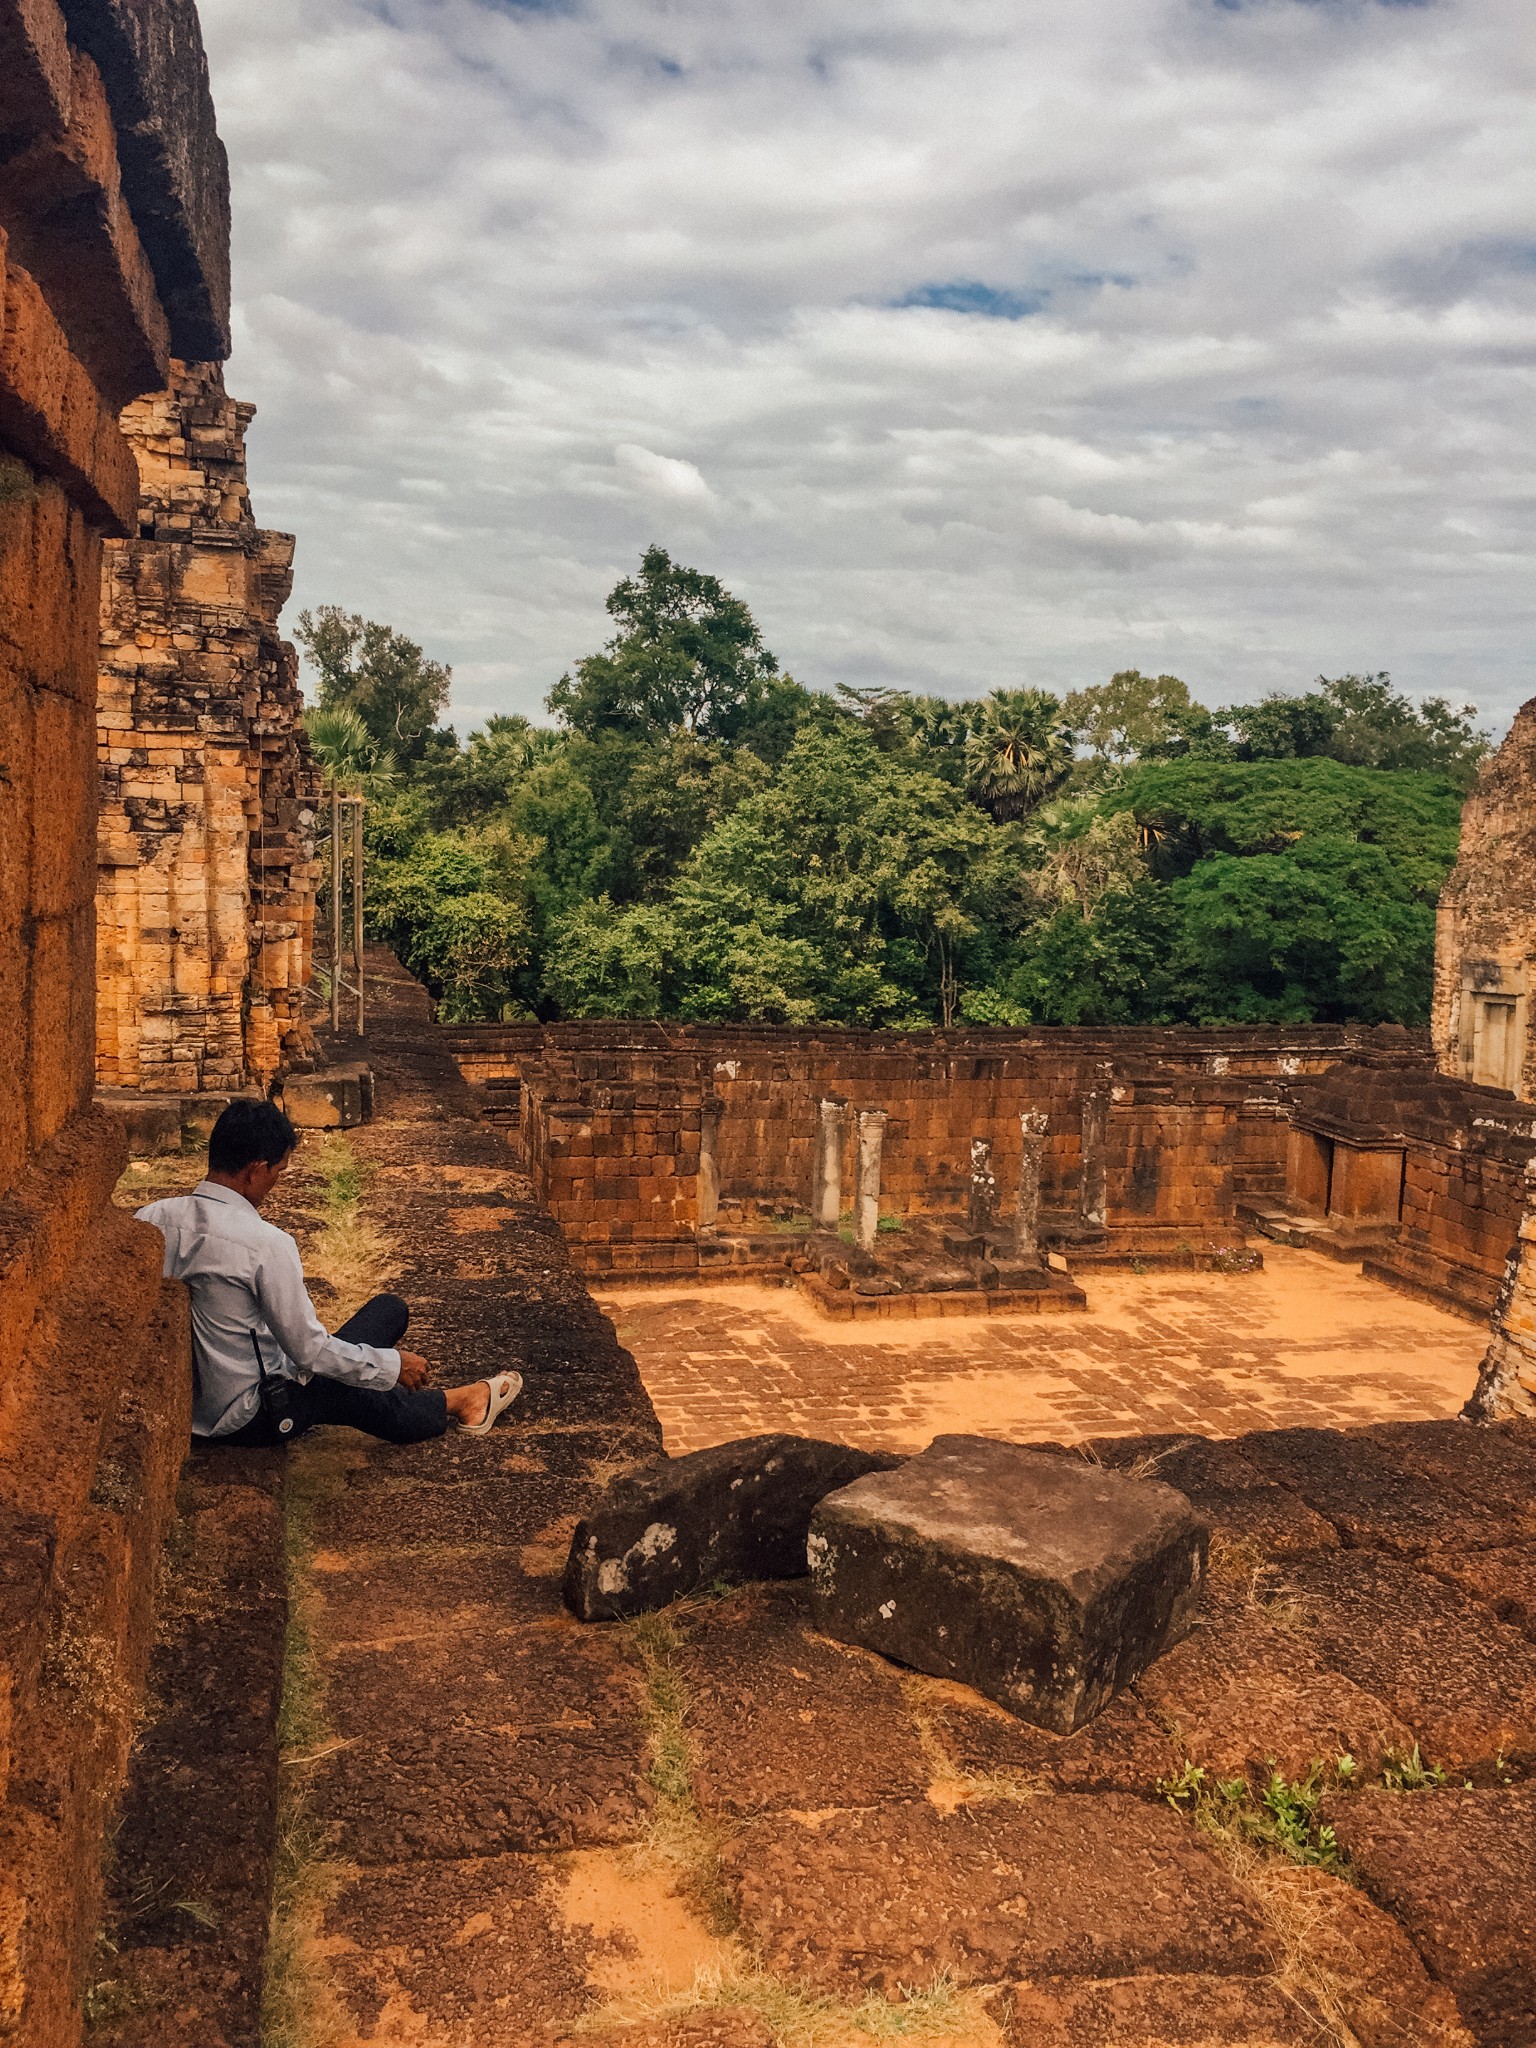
205, 904
1485, 943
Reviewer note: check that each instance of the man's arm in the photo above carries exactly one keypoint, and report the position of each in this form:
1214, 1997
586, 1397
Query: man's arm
290, 1316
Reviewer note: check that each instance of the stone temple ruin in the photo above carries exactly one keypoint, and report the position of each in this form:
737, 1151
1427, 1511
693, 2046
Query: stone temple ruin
206, 900
777, 1798
667, 1150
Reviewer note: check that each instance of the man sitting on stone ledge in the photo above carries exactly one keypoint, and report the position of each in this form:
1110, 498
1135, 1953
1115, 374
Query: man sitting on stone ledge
264, 1368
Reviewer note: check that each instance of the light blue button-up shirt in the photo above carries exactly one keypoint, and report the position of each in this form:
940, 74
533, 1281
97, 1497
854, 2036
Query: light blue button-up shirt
246, 1279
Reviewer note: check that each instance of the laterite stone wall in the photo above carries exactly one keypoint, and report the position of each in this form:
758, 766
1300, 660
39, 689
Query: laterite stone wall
113, 258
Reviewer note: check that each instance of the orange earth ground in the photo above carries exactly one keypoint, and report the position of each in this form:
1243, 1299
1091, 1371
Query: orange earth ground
1306, 1341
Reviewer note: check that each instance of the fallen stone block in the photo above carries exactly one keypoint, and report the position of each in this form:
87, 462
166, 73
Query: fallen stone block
335, 1100
736, 1511
1047, 1583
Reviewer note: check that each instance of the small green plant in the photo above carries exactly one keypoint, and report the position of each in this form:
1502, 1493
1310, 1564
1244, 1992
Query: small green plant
1138, 1267
890, 1225
1406, 1771
1281, 1818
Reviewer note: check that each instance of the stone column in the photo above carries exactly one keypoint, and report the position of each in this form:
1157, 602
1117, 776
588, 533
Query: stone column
827, 1194
1506, 1380
1093, 1197
1026, 1229
871, 1143
981, 1208
709, 1165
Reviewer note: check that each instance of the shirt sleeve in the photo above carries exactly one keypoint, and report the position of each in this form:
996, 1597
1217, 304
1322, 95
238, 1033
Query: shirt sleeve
290, 1316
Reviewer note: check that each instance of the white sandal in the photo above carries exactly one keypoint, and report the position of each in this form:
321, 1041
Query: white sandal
505, 1389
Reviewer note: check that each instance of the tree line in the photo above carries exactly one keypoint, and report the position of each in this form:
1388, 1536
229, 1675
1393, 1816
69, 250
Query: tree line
696, 835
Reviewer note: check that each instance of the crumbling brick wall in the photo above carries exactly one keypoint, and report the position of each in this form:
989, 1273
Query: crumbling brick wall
207, 887
111, 260
611, 1121
1485, 941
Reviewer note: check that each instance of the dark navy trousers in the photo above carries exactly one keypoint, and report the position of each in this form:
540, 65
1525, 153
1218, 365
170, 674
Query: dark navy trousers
397, 1414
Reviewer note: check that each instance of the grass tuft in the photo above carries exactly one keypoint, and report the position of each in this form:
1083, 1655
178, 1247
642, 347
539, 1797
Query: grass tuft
937, 2011
298, 2006
1406, 1771
951, 1784
348, 1251
679, 1837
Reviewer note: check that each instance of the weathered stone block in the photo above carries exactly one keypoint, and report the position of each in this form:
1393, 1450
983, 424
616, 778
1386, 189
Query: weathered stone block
1044, 1582
330, 1101
737, 1511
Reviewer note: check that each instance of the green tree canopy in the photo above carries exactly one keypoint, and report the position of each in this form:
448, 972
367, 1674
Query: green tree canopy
1361, 720
687, 654
379, 674
1131, 715
701, 837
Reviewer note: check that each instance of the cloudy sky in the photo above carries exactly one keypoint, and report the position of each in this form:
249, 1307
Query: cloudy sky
999, 342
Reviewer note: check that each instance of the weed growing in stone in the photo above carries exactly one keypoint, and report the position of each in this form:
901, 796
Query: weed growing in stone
680, 1837
1281, 1818
951, 1784
298, 2008
1406, 1771
109, 2003
938, 2011
348, 1251
686, 1844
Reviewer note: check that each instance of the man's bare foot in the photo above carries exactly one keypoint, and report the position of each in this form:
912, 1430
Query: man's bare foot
471, 1403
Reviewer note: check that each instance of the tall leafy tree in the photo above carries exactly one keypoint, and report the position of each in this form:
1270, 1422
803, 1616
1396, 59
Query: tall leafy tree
703, 838
377, 673
353, 759
687, 656
1361, 720
1131, 716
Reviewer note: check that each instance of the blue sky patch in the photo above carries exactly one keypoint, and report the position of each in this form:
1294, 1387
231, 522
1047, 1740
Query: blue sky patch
967, 295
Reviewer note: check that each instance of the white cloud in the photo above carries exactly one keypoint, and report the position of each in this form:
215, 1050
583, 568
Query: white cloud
1008, 342
662, 475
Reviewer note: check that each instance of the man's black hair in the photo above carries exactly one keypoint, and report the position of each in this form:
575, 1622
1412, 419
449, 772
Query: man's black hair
247, 1131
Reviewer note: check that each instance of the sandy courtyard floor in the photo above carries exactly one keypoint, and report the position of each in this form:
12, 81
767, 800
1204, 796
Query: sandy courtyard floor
1304, 1342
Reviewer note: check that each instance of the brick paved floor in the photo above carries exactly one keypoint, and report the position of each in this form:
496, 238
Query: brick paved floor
1304, 1342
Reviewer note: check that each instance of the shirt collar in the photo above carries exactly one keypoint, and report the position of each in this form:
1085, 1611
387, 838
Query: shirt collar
215, 1191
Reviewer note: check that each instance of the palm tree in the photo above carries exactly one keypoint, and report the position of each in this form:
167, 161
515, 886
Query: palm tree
1019, 751
352, 758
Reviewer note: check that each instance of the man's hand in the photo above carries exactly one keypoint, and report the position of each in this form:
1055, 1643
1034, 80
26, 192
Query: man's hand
414, 1370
